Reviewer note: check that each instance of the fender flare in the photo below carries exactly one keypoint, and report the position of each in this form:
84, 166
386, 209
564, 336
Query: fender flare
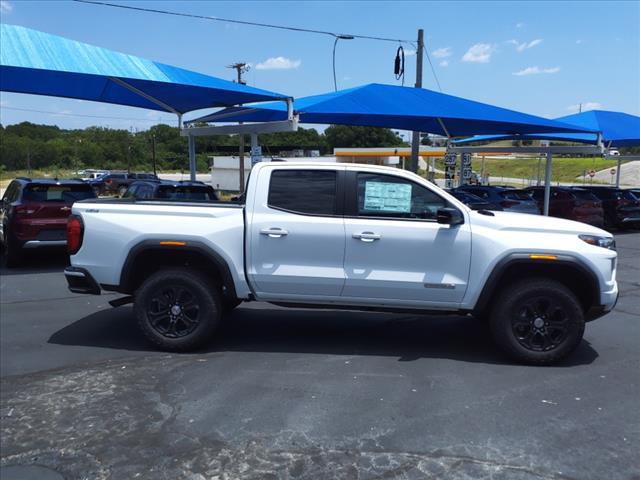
190, 246
507, 262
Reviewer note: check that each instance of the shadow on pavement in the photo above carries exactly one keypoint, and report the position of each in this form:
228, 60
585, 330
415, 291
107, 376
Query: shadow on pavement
39, 261
319, 332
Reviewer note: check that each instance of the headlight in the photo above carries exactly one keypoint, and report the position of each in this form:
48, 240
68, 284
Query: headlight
604, 242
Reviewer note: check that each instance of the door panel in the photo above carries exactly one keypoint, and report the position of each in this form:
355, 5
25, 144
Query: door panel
396, 253
411, 260
296, 234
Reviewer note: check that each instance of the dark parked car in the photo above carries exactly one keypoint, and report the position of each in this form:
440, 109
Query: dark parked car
34, 214
504, 198
621, 207
472, 201
117, 182
571, 203
168, 190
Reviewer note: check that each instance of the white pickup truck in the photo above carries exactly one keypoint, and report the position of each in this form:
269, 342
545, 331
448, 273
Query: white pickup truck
344, 236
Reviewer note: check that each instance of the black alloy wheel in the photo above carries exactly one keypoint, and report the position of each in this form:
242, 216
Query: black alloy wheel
541, 325
179, 309
537, 321
173, 311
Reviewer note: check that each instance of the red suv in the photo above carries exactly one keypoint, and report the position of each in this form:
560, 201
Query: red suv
34, 214
571, 203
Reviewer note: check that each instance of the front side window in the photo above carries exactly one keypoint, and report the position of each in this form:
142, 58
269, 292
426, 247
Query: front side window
304, 191
395, 197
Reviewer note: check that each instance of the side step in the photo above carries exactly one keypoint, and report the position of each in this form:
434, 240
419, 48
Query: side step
118, 302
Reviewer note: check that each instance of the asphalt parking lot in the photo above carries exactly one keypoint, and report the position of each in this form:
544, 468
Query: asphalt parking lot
307, 394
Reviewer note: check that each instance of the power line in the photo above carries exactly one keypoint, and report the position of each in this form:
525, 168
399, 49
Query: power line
433, 70
240, 22
81, 115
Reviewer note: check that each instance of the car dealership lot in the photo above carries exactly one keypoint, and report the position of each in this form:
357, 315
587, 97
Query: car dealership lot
309, 394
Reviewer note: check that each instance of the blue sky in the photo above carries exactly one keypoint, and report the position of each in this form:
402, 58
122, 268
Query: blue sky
542, 58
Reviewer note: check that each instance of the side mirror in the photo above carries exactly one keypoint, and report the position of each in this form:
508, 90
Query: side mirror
450, 216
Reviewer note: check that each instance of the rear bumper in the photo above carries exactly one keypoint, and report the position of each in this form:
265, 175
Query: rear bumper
44, 243
80, 281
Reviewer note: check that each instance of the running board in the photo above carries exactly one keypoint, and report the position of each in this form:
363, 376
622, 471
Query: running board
118, 302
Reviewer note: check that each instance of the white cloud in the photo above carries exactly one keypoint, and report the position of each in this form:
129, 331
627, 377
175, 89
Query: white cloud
409, 53
442, 52
278, 63
521, 47
5, 6
585, 106
444, 63
536, 71
578, 42
519, 25
478, 53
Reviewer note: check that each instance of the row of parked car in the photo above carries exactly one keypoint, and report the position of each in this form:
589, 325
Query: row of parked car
601, 206
34, 212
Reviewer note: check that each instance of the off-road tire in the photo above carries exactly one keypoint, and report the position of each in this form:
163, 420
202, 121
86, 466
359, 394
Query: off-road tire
11, 254
555, 325
153, 296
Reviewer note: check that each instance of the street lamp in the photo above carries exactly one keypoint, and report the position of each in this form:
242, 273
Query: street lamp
338, 37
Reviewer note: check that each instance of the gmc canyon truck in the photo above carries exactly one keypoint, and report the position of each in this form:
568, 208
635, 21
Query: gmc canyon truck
344, 236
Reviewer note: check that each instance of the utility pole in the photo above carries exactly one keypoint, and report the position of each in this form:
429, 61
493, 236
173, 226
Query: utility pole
241, 68
415, 141
153, 152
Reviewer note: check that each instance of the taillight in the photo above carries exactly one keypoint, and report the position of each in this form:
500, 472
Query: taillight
75, 231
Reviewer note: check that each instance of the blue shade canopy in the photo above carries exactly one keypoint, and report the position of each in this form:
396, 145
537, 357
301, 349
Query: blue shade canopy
618, 129
42, 64
405, 108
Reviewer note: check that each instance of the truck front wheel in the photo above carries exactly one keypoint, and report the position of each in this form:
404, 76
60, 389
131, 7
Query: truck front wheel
537, 321
177, 310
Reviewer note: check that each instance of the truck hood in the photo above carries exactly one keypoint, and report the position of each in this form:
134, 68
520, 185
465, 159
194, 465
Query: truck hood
534, 223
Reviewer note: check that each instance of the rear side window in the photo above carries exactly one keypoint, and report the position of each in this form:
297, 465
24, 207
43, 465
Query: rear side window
57, 193
304, 191
515, 195
203, 193
584, 195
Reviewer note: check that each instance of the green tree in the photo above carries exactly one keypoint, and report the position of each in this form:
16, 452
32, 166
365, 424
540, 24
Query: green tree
353, 136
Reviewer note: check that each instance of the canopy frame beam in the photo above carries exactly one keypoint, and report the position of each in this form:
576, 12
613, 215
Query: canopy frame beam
144, 95
547, 151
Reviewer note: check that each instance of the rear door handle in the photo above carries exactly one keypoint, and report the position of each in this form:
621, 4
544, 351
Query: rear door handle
274, 232
367, 236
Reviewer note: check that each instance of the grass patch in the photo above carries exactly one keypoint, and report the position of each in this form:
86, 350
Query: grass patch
562, 169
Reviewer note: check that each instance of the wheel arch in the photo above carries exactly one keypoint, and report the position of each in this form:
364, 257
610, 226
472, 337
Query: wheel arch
569, 270
149, 256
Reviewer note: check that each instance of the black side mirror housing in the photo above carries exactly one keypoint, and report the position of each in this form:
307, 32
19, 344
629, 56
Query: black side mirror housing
450, 216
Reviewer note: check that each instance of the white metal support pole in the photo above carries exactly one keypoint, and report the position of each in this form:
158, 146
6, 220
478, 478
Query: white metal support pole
538, 178
415, 139
192, 158
618, 172
547, 184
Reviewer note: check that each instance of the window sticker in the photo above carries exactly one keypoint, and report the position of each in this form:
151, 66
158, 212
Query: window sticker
387, 197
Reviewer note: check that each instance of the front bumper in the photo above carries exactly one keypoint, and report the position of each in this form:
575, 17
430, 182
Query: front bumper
80, 280
608, 302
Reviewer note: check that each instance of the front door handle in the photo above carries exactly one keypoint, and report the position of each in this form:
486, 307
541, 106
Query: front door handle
274, 232
367, 236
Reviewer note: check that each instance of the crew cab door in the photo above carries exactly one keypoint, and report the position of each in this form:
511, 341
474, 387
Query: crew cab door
295, 243
396, 253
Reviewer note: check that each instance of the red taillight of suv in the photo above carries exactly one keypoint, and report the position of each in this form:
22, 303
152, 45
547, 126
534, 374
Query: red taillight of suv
75, 231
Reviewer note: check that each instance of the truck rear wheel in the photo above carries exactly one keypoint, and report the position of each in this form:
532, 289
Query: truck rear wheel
537, 321
178, 310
